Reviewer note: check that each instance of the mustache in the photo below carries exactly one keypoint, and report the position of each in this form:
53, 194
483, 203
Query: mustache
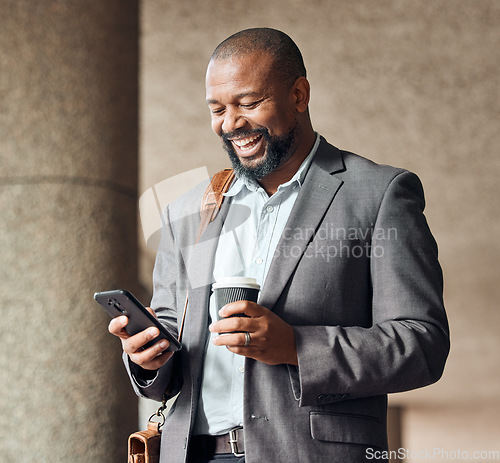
228, 136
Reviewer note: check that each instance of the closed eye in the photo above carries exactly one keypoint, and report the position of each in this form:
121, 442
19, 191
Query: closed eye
251, 105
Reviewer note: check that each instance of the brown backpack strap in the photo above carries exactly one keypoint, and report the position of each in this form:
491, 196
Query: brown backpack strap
213, 197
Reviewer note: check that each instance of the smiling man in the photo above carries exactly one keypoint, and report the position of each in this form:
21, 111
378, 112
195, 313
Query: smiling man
259, 106
303, 374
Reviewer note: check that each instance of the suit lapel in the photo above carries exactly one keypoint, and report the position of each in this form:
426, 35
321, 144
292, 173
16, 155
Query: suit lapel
201, 276
315, 197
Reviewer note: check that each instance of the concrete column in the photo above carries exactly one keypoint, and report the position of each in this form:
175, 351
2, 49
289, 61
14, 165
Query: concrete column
68, 191
394, 432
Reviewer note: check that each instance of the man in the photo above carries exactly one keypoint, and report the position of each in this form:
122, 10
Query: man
351, 302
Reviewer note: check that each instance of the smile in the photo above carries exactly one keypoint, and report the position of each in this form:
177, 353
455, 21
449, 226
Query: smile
247, 143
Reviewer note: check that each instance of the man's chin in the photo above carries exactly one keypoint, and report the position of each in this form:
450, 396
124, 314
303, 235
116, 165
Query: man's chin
252, 162
244, 166
263, 162
251, 171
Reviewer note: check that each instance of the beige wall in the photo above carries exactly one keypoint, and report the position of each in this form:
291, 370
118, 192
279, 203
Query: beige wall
413, 84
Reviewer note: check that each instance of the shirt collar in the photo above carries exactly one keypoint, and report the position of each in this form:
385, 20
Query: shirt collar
298, 178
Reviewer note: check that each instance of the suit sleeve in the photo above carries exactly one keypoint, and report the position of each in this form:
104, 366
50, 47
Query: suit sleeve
407, 345
153, 385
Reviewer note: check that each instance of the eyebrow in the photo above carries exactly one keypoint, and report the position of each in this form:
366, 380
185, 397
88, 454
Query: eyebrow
239, 96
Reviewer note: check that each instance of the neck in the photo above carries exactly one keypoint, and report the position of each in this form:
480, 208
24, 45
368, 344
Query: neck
289, 167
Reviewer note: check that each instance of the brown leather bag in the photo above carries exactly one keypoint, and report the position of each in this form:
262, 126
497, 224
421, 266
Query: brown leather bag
144, 446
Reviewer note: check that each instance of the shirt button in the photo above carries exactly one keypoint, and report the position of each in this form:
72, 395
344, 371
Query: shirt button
270, 208
259, 261
242, 369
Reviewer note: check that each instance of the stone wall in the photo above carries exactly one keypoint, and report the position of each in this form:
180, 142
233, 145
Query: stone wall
68, 190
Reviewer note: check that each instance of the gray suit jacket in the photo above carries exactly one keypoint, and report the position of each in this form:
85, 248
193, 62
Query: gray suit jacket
356, 273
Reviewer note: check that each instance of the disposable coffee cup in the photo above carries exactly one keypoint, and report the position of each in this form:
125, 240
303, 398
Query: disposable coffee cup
232, 289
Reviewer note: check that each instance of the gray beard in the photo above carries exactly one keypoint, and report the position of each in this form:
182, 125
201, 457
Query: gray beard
277, 149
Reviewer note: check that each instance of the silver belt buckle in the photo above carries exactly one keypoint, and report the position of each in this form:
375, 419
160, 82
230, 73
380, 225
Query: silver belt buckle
233, 442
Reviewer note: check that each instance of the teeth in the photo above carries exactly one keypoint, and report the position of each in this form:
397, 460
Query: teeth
245, 141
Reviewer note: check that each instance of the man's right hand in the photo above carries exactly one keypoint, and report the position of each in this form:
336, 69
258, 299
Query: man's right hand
151, 358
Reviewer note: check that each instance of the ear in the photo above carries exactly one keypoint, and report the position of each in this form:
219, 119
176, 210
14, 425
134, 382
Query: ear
301, 91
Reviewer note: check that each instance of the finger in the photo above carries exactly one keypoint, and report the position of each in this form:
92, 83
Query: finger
230, 339
159, 361
117, 327
231, 324
154, 357
248, 308
136, 342
151, 311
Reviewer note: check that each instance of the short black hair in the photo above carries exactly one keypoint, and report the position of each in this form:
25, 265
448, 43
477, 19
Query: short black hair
285, 53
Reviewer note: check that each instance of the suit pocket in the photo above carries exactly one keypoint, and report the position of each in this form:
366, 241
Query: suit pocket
348, 429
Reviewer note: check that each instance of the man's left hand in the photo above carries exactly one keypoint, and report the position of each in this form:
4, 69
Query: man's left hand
272, 340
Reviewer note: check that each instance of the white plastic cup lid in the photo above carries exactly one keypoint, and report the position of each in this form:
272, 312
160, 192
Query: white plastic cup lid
239, 282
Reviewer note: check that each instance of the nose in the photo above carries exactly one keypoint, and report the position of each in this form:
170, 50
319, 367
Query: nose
232, 120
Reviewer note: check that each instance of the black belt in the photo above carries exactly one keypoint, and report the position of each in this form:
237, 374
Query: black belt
233, 442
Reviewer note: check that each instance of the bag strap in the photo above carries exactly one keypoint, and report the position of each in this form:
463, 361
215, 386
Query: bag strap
210, 207
213, 198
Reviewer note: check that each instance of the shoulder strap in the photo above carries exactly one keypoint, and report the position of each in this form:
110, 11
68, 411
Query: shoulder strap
210, 206
213, 198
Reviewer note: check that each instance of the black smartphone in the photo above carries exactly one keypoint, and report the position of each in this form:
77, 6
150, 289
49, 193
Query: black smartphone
121, 302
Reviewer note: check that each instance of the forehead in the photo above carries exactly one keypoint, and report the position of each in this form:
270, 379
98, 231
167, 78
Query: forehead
238, 75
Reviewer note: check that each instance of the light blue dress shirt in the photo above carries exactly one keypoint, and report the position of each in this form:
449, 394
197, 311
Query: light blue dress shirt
245, 248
